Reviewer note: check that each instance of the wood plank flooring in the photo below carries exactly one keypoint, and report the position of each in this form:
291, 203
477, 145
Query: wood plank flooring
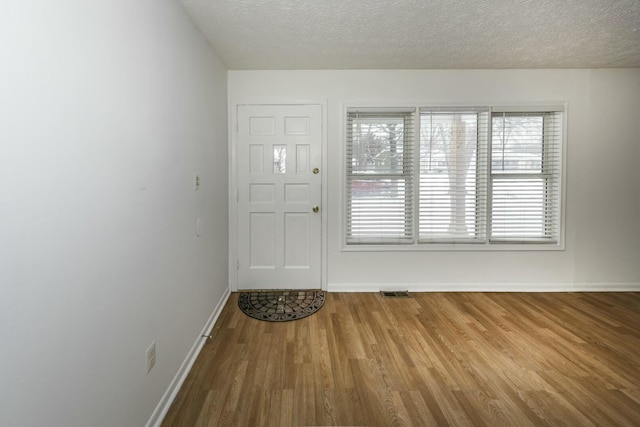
435, 359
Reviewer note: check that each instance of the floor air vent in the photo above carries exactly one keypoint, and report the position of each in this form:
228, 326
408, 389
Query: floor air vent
394, 294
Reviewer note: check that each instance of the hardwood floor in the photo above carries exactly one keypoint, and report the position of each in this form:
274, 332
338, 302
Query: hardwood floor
434, 359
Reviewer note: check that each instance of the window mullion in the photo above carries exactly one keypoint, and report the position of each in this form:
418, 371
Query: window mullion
416, 176
486, 219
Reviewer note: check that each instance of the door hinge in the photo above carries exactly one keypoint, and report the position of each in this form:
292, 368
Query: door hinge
238, 264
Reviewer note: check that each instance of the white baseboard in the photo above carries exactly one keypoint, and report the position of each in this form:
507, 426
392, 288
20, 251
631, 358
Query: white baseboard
485, 287
170, 394
609, 287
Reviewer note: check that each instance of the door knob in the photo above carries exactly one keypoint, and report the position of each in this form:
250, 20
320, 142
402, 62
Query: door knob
316, 171
316, 209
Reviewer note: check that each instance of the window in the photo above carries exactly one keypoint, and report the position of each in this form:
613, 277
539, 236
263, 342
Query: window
379, 177
525, 176
474, 176
452, 175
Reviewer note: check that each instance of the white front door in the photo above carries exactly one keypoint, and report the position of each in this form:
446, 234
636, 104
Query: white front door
279, 193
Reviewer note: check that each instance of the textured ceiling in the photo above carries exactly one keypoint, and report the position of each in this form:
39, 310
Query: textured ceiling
412, 34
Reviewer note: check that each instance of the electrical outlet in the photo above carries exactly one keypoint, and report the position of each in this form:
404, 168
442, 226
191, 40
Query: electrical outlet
151, 356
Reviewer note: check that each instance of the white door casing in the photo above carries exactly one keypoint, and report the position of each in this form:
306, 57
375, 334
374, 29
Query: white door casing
279, 160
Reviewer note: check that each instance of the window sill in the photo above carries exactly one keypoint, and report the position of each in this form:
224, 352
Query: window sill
453, 247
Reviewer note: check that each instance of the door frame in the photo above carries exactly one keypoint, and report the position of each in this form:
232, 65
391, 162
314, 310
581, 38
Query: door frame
233, 180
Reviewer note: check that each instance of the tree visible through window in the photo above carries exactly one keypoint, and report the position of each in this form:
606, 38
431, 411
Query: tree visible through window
452, 172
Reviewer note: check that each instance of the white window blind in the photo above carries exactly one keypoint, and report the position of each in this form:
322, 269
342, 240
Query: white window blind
379, 188
453, 171
526, 153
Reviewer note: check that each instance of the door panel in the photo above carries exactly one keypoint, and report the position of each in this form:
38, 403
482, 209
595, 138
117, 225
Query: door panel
279, 234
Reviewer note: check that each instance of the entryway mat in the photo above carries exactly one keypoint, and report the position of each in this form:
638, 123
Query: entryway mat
281, 306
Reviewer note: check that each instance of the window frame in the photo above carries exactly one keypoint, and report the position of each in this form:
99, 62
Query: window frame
486, 244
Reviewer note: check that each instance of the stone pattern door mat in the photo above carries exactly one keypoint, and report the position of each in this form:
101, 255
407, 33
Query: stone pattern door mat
280, 306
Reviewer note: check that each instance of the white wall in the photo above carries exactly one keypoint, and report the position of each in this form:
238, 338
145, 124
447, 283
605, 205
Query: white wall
106, 111
603, 195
